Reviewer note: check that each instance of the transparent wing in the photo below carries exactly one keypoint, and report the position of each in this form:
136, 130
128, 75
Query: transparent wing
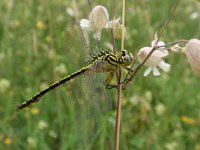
86, 95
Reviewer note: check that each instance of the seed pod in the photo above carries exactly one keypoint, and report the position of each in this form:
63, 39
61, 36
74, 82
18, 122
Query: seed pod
192, 52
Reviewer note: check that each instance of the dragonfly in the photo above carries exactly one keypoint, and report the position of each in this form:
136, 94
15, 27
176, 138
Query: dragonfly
104, 62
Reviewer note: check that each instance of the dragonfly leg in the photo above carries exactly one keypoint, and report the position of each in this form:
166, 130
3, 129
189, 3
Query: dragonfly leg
108, 81
128, 75
129, 71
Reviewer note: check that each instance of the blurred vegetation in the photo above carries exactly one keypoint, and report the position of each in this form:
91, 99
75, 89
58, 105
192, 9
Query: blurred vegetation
40, 42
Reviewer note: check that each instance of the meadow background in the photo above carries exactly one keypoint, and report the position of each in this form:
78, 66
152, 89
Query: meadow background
40, 42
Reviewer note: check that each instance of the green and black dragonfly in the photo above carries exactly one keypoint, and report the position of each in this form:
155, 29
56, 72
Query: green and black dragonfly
104, 62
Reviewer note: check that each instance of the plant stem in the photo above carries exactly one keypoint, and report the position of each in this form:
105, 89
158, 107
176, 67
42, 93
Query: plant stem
123, 20
118, 117
173, 43
111, 30
119, 97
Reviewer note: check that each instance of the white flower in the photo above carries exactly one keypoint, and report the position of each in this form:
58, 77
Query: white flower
53, 134
70, 12
32, 142
42, 124
43, 85
98, 20
160, 109
4, 85
171, 145
61, 69
155, 60
194, 15
192, 51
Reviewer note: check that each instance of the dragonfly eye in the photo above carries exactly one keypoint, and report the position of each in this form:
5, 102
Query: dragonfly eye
127, 57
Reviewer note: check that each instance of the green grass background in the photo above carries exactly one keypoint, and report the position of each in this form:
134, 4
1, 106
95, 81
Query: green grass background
77, 116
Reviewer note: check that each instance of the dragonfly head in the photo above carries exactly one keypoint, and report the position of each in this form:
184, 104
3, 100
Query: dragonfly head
126, 57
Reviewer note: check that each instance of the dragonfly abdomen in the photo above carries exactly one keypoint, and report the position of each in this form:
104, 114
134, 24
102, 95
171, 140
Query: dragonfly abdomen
37, 97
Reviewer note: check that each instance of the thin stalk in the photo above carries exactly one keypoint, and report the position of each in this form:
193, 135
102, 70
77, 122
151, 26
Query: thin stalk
119, 96
118, 117
111, 30
114, 9
168, 21
173, 43
123, 20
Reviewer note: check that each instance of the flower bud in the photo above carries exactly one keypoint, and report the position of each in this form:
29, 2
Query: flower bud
98, 17
192, 52
176, 48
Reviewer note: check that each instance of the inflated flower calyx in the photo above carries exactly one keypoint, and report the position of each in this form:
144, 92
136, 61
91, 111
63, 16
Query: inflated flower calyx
192, 51
98, 19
